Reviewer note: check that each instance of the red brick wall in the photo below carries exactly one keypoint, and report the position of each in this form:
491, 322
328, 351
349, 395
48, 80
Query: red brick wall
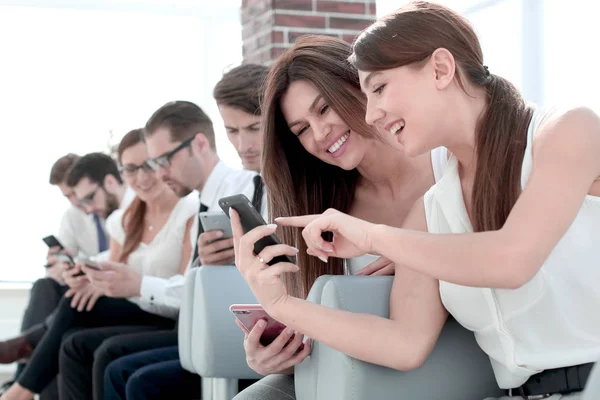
271, 26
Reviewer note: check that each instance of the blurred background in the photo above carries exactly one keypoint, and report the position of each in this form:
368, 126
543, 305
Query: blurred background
76, 75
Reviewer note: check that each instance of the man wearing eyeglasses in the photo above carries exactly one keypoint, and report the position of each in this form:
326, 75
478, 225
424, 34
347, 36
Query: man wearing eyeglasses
94, 187
181, 144
98, 186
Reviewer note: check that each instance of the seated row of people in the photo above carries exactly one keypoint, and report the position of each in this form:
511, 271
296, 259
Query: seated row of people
168, 172
355, 146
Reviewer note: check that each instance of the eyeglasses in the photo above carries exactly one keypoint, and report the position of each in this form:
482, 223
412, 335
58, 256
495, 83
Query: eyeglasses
164, 161
130, 170
89, 198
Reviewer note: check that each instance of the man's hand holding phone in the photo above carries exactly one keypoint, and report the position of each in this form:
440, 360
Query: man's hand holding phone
57, 270
214, 250
280, 356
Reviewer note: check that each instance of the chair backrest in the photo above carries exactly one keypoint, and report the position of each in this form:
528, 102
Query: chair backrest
215, 343
457, 369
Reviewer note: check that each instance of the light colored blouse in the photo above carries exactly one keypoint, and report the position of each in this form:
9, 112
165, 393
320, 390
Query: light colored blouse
550, 322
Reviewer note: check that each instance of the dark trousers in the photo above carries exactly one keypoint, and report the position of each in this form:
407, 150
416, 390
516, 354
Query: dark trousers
44, 297
42, 367
150, 374
85, 355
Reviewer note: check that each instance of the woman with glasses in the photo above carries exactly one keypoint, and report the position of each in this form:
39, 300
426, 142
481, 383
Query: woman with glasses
152, 237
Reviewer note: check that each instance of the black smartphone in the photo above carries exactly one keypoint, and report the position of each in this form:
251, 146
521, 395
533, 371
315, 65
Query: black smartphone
52, 241
250, 219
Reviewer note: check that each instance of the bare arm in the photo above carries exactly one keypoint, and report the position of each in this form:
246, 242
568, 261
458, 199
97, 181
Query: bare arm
402, 342
566, 163
186, 251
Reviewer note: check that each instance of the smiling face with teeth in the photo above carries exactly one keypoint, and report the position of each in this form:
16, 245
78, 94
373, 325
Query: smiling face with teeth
408, 105
144, 183
319, 128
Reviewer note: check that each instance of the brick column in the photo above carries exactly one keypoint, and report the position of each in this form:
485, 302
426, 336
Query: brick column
271, 26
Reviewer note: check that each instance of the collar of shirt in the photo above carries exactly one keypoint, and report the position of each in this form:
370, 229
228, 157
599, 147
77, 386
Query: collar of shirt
213, 183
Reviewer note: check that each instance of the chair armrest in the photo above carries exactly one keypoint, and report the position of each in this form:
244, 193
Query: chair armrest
184, 328
216, 342
457, 369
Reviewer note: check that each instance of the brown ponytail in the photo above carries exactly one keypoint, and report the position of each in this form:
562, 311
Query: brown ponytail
500, 141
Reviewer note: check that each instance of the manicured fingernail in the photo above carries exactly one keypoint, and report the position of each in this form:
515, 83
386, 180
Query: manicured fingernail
324, 259
272, 226
229, 211
289, 331
261, 323
295, 249
219, 234
278, 218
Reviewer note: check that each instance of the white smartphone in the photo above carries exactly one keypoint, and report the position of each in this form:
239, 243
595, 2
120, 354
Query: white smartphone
216, 220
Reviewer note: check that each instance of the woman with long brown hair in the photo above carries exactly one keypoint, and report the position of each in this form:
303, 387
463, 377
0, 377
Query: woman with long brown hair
152, 237
319, 153
513, 253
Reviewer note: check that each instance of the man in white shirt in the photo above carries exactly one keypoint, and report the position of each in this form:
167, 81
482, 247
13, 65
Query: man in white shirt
78, 233
181, 144
158, 371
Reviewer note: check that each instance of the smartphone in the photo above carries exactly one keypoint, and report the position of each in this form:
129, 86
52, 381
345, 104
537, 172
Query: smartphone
251, 218
64, 257
250, 314
89, 263
52, 241
212, 221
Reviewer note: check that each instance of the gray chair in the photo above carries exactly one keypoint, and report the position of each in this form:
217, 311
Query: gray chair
592, 388
457, 369
210, 343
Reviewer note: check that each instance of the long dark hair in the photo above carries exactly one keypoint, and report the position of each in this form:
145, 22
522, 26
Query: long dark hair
299, 183
133, 217
410, 35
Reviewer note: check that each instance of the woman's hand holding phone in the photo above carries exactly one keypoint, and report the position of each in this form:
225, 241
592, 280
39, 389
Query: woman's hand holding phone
73, 277
84, 297
264, 280
278, 357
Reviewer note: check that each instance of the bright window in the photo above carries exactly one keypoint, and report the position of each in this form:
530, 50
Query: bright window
70, 76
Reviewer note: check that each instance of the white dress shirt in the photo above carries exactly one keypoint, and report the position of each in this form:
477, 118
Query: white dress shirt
78, 233
222, 182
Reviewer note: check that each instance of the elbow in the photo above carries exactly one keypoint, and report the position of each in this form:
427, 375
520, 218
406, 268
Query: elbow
522, 264
413, 357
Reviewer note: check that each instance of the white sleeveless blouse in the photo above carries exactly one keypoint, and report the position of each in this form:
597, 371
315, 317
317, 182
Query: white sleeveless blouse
553, 320
439, 159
